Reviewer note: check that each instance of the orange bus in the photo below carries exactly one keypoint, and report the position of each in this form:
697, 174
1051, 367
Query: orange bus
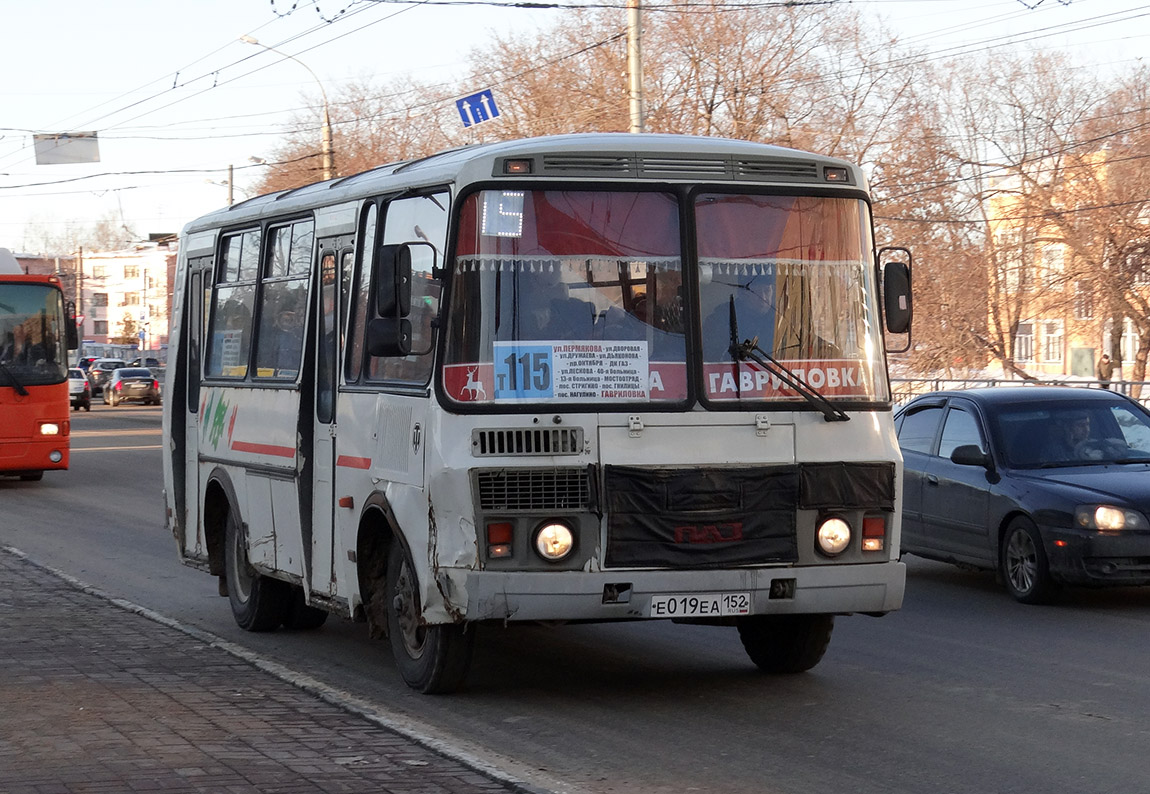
36, 331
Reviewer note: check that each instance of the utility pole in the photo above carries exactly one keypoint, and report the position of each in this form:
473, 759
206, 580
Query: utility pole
635, 64
328, 154
231, 184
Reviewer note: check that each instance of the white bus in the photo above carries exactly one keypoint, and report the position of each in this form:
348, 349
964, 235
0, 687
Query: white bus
579, 378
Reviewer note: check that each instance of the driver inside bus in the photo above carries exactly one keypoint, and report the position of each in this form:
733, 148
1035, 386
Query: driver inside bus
21, 350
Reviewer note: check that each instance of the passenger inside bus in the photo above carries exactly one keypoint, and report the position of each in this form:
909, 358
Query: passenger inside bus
288, 340
546, 309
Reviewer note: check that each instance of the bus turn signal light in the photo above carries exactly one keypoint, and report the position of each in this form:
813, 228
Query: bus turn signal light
499, 536
874, 533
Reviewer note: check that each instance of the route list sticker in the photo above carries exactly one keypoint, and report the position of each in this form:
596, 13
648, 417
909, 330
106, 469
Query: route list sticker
573, 371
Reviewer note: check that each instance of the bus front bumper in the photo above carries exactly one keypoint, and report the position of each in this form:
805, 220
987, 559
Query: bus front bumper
630, 594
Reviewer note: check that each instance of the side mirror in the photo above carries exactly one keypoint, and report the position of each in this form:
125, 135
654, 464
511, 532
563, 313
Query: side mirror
389, 336
393, 274
71, 332
896, 295
393, 281
970, 455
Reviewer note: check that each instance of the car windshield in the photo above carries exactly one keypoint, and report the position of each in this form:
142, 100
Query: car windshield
586, 296
1055, 434
133, 373
76, 373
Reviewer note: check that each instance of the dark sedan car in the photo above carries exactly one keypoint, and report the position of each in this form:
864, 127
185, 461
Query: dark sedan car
100, 369
1048, 486
132, 384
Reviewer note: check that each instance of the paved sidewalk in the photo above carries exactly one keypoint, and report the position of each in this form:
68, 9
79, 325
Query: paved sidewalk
95, 698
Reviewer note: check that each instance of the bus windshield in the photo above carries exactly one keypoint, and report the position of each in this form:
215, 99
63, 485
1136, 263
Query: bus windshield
32, 342
585, 296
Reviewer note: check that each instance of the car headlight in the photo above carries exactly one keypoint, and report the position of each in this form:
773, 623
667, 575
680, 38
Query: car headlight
554, 541
834, 535
1108, 518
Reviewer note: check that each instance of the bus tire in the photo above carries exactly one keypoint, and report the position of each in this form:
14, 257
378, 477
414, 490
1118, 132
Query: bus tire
786, 643
259, 603
301, 616
431, 659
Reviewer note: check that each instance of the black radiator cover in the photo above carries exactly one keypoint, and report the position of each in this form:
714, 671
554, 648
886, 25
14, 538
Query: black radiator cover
700, 518
722, 517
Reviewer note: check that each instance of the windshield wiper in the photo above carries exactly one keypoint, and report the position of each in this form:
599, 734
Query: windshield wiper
16, 384
749, 350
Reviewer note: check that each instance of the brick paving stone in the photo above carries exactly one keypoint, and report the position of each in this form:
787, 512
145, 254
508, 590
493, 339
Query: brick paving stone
96, 699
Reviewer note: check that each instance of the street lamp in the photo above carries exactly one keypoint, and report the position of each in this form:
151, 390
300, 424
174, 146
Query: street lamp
325, 135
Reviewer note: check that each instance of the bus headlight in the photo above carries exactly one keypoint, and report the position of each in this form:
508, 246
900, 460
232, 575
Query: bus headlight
554, 541
49, 429
834, 535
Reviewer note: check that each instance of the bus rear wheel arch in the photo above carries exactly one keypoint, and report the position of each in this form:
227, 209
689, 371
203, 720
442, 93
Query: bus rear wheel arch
259, 603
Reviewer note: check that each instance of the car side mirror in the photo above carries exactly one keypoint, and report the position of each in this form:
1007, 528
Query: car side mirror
970, 455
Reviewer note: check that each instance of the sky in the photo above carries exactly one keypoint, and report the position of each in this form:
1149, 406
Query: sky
175, 96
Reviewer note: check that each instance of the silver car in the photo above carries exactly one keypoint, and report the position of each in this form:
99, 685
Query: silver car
79, 390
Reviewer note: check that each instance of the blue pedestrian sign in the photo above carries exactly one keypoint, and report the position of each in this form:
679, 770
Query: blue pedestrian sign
477, 108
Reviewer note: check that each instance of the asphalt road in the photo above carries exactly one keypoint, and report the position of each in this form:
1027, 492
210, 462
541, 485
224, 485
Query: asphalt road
962, 690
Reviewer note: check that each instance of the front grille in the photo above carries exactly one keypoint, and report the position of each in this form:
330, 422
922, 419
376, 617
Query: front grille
526, 441
505, 490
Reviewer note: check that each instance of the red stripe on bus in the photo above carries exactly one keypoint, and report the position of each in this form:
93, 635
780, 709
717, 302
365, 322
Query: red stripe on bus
263, 449
353, 463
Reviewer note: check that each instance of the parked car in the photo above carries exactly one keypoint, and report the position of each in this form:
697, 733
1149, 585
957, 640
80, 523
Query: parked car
100, 369
132, 384
79, 390
1049, 486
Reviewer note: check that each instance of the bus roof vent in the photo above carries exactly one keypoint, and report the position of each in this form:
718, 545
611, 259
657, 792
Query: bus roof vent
593, 164
517, 441
505, 490
775, 170
683, 167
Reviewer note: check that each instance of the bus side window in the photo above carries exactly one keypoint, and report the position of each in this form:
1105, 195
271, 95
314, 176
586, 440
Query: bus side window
417, 220
232, 306
283, 302
362, 295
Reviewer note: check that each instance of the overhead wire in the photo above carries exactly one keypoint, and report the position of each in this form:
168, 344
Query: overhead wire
669, 7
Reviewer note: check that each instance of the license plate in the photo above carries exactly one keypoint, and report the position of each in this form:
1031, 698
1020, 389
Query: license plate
699, 605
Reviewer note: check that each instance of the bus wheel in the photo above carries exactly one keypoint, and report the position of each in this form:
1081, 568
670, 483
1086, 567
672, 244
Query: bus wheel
431, 659
259, 603
300, 616
786, 643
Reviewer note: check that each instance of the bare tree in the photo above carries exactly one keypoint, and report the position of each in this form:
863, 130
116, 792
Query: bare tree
107, 234
371, 125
